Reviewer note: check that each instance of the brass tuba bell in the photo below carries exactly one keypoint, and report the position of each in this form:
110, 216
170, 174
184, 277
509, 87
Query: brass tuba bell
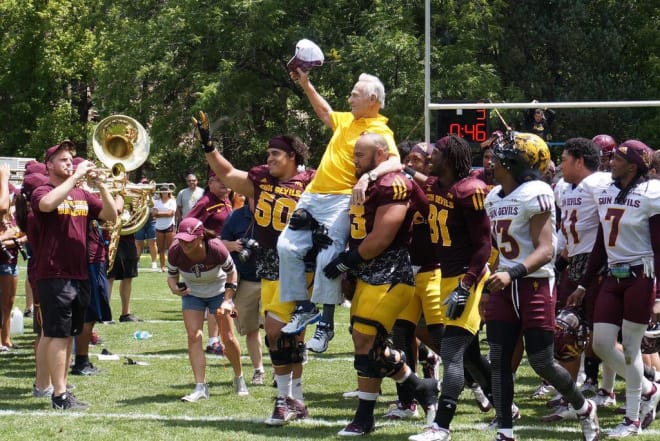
122, 144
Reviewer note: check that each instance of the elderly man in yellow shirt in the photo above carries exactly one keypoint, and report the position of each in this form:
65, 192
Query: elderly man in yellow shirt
327, 199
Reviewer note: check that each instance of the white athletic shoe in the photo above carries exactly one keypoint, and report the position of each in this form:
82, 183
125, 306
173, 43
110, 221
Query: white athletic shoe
589, 423
625, 429
400, 411
543, 391
322, 336
432, 433
648, 406
201, 392
604, 398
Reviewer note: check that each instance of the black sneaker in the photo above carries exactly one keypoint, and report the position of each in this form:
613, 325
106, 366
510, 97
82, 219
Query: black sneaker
27, 313
67, 401
357, 429
86, 369
129, 318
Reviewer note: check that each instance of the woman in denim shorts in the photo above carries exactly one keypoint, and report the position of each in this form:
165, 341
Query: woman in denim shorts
209, 281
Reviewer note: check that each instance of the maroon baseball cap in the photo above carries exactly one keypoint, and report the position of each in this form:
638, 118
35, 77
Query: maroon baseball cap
307, 55
636, 152
64, 145
32, 181
190, 229
35, 167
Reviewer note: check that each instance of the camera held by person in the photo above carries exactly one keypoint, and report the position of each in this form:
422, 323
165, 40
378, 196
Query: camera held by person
249, 245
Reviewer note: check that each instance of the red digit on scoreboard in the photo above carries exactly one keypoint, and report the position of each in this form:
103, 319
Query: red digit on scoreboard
455, 129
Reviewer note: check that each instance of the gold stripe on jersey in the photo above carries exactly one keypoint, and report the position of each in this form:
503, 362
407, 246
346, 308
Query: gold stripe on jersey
399, 189
478, 199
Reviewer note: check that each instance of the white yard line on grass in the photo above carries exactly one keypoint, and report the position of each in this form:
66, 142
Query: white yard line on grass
313, 422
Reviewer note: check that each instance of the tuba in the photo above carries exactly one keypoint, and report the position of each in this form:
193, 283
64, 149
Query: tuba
122, 145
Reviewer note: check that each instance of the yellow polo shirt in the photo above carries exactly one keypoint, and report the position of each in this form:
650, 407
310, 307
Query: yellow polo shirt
336, 173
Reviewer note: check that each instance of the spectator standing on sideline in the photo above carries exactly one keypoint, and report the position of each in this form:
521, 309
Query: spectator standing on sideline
213, 209
539, 122
99, 304
63, 212
148, 234
187, 197
125, 269
163, 211
236, 235
209, 281
327, 199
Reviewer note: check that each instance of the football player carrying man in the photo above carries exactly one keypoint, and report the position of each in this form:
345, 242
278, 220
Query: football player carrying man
275, 188
522, 215
379, 256
628, 241
460, 233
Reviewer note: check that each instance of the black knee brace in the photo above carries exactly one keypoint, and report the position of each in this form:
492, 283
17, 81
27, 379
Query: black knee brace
289, 351
382, 358
365, 367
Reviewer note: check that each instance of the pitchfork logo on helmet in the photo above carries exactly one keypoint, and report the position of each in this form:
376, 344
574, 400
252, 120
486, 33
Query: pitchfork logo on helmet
525, 155
571, 334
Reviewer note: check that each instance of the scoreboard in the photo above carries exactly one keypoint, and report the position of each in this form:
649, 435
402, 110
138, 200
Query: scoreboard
471, 124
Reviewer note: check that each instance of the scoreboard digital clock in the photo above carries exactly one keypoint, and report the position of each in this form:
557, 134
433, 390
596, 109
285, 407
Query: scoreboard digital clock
471, 124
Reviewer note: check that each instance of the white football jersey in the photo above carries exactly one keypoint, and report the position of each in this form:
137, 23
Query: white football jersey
626, 226
579, 212
510, 222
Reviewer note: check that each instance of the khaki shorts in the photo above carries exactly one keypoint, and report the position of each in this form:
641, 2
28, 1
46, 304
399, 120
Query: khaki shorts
247, 302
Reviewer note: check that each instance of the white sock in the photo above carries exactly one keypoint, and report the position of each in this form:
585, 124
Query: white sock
284, 385
297, 389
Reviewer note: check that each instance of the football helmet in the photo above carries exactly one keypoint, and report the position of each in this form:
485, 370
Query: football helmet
571, 334
525, 155
606, 143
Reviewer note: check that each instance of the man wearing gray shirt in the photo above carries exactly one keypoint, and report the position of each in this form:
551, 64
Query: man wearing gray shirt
188, 197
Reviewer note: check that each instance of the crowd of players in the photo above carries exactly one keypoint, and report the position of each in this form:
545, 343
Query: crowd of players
424, 247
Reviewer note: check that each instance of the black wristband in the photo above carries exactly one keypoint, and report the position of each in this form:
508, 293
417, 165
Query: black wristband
517, 271
208, 148
233, 286
409, 171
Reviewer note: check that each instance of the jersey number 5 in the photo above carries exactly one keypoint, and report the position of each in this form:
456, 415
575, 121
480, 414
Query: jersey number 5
276, 211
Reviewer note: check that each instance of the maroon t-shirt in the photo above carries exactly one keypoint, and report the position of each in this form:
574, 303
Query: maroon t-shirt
212, 211
96, 249
460, 229
274, 201
62, 234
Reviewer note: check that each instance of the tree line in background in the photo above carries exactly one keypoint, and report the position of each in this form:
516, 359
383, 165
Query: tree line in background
65, 64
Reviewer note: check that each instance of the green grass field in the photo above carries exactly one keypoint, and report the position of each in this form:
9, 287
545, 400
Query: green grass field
131, 402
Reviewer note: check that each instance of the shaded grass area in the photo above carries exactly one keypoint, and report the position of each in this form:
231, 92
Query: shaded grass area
135, 402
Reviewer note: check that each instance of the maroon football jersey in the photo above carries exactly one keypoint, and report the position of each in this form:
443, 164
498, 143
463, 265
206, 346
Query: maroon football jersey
459, 225
62, 234
212, 211
274, 202
388, 189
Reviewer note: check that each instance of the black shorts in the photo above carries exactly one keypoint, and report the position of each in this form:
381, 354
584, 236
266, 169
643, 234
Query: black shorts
126, 261
63, 305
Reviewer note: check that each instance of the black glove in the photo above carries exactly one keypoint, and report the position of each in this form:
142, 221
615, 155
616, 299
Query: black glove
202, 132
320, 238
301, 220
456, 302
560, 265
347, 260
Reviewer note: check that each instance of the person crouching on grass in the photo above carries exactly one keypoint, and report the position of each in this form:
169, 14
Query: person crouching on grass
209, 281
